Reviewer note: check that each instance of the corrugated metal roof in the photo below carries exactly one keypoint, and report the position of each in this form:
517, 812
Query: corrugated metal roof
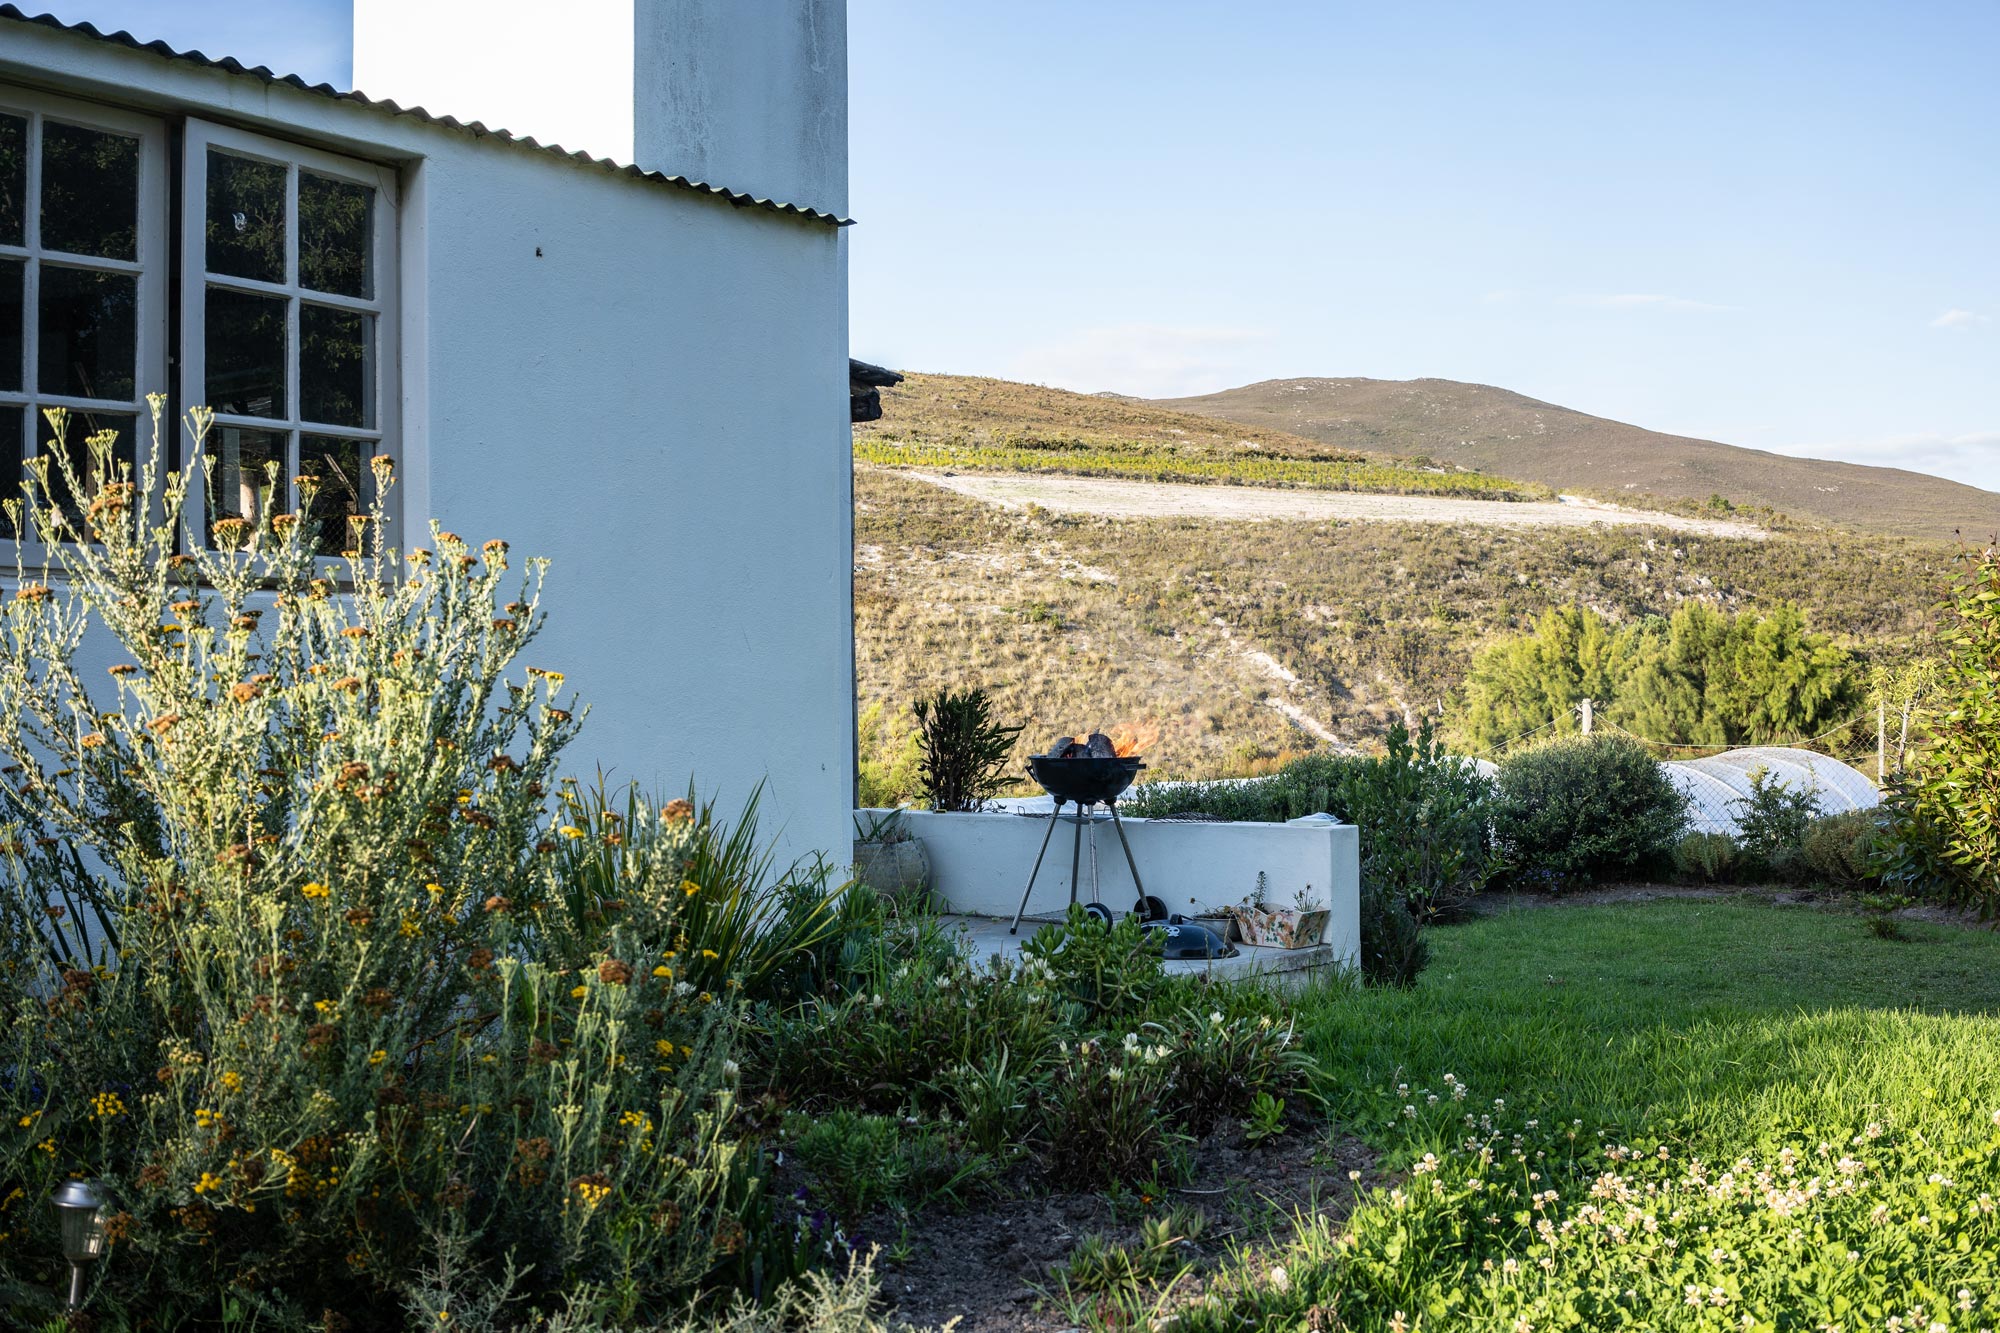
233, 66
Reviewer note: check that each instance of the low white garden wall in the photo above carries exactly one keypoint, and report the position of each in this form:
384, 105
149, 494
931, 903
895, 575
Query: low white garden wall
980, 864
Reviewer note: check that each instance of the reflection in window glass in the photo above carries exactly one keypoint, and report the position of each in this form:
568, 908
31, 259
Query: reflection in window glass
10, 465
13, 180
87, 466
336, 227
337, 466
88, 333
244, 346
13, 273
244, 472
246, 218
90, 191
336, 366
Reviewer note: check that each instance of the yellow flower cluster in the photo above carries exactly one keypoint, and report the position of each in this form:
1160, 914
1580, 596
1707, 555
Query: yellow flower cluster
106, 1105
232, 1080
315, 890
592, 1193
208, 1183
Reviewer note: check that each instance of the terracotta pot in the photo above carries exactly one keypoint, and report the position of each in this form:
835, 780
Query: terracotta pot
899, 869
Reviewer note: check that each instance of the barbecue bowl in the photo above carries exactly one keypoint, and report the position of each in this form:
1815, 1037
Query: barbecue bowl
1086, 778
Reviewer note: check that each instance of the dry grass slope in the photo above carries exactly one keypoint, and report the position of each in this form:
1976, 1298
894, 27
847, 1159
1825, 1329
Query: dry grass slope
1505, 433
1241, 640
967, 423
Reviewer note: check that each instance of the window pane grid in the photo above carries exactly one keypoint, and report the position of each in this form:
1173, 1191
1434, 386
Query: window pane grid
326, 363
81, 232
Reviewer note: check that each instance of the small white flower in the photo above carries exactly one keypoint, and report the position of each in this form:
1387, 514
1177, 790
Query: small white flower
1281, 1280
1215, 1016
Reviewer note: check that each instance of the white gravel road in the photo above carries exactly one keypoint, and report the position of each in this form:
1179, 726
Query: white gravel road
1111, 498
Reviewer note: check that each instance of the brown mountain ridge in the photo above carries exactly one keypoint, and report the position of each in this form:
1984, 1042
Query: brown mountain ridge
1498, 431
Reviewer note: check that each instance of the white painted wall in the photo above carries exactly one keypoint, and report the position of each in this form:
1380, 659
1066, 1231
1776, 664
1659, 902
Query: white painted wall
656, 401
746, 94
652, 391
980, 864
562, 73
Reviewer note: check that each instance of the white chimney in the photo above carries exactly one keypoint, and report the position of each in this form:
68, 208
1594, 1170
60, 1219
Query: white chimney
750, 95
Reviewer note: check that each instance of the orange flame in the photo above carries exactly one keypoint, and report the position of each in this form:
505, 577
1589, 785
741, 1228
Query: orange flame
1127, 738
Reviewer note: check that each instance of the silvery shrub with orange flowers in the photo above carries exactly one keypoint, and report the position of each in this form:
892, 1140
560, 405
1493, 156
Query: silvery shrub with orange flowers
309, 955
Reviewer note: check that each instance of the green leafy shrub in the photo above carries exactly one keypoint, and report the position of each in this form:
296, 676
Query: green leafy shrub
1100, 973
702, 882
908, 1013
1839, 849
1771, 825
861, 1162
1099, 1264
1423, 813
1222, 1064
1706, 858
964, 752
1104, 1124
1943, 835
1394, 951
1584, 808
333, 1001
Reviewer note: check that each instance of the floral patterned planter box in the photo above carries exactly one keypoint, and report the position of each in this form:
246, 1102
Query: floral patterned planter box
1280, 927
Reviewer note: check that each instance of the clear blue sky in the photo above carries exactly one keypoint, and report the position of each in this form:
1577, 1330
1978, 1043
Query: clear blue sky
1776, 224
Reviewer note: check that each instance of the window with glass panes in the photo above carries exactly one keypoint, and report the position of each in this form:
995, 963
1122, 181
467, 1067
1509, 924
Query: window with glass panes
82, 280
287, 289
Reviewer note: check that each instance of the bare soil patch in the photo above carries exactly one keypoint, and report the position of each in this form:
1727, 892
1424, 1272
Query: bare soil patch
990, 1266
1112, 498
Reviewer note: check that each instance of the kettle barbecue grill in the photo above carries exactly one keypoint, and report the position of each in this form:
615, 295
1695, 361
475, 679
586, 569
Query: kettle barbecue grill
1088, 774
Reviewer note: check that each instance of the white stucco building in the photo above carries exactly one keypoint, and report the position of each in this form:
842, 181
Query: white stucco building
630, 358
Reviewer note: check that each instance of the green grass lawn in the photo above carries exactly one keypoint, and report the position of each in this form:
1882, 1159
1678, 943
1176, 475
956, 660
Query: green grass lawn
1750, 1116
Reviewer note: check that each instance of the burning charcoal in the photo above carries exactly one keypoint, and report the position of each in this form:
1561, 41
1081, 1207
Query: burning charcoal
1100, 746
1059, 748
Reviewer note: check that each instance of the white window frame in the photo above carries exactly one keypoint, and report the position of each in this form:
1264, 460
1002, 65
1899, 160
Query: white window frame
195, 280
149, 371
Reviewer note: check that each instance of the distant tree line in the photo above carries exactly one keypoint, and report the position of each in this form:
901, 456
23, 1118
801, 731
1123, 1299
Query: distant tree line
1698, 677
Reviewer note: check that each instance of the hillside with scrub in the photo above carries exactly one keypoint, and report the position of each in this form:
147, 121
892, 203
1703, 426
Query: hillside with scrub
1459, 425
970, 423
1242, 642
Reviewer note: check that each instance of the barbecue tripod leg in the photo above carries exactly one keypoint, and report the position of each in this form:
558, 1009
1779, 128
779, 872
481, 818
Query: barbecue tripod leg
1119, 824
1076, 854
1015, 929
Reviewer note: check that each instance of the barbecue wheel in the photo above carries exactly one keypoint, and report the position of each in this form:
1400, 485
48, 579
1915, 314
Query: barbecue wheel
1150, 908
1099, 913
